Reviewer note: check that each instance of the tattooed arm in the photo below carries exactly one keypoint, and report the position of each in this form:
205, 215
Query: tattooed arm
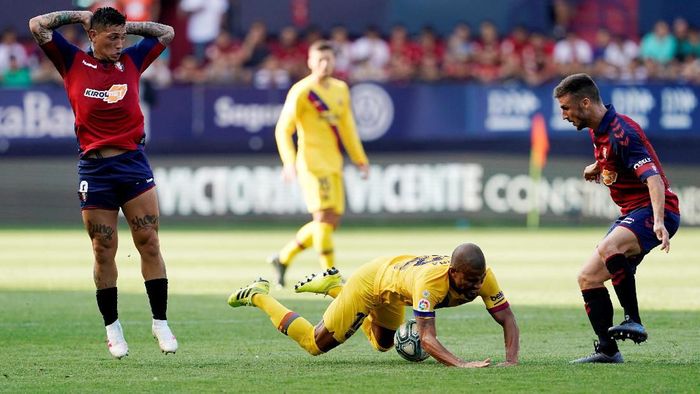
163, 33
42, 26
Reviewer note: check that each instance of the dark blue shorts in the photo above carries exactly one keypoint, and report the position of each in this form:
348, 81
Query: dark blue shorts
110, 182
641, 223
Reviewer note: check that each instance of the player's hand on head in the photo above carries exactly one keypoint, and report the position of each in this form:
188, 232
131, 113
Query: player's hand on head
476, 364
85, 20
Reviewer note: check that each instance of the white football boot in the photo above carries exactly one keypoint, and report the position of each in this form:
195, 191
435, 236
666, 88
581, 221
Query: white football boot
115, 340
165, 337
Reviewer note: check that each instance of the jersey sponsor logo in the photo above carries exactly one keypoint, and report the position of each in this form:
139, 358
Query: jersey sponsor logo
114, 94
497, 298
90, 64
609, 177
423, 305
119, 66
642, 162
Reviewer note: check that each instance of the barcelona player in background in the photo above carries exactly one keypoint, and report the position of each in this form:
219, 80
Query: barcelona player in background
318, 109
103, 89
375, 297
626, 163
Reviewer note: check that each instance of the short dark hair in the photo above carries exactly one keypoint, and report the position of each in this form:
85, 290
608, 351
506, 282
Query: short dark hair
468, 256
579, 86
321, 45
106, 16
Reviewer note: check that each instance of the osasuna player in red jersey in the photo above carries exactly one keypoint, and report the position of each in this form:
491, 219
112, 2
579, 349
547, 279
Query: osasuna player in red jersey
103, 89
627, 164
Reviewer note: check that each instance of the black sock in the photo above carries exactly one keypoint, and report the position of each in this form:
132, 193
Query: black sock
623, 281
157, 290
600, 312
107, 304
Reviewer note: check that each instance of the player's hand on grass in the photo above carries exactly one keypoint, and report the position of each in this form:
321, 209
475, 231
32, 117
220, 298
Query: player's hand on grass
592, 173
289, 173
476, 364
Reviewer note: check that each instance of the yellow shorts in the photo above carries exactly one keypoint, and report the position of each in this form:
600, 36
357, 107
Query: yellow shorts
322, 192
356, 301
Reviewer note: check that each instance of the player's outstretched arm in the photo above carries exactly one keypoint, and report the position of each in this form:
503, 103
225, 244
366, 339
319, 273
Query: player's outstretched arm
42, 26
511, 335
430, 343
163, 33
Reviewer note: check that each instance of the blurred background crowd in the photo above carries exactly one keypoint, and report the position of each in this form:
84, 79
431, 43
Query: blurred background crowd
211, 49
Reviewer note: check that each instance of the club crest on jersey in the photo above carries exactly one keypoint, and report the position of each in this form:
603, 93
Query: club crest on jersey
119, 66
608, 177
111, 96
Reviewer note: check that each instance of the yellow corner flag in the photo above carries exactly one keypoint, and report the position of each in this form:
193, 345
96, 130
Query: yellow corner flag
539, 146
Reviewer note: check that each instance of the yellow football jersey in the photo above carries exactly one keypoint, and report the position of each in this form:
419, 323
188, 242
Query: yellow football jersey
321, 115
423, 283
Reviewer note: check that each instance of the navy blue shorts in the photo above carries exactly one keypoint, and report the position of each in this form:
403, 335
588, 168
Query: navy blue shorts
110, 182
641, 223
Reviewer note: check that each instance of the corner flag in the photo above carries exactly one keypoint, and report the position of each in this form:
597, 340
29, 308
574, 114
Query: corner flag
539, 146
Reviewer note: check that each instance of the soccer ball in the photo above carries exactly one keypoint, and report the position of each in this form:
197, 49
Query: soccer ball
407, 342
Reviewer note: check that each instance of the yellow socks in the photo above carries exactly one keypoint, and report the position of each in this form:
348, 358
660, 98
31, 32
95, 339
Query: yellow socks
288, 322
323, 243
301, 241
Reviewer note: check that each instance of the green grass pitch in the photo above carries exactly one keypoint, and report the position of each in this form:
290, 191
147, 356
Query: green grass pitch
51, 337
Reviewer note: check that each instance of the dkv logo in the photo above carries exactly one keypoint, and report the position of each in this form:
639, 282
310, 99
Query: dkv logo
373, 110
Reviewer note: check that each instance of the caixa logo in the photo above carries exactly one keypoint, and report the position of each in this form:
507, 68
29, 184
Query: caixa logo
636, 103
36, 116
373, 110
510, 109
677, 105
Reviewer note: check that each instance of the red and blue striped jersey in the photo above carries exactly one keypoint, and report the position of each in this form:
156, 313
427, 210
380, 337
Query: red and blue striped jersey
626, 159
104, 95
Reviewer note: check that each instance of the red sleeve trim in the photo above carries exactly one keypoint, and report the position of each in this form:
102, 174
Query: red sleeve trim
498, 308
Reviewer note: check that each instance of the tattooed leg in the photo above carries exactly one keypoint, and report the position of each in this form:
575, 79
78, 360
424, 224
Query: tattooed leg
142, 214
101, 226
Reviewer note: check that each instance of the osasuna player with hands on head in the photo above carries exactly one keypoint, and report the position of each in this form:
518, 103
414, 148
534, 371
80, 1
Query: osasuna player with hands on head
318, 110
103, 89
626, 163
375, 298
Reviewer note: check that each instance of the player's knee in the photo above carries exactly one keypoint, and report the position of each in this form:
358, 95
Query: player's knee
587, 278
608, 248
103, 249
148, 243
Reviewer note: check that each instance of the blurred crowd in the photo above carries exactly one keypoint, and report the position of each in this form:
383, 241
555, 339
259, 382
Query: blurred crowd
670, 52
